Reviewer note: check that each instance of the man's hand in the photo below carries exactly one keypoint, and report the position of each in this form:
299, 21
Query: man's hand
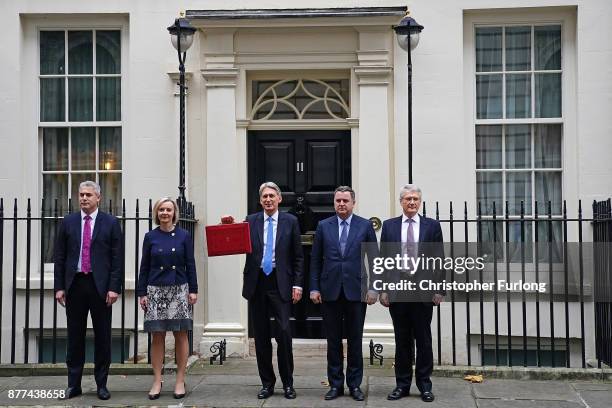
371, 297
296, 295
437, 299
144, 303
111, 297
227, 219
192, 298
384, 299
60, 296
315, 296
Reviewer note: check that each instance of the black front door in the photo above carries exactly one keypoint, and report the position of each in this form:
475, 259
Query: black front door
307, 165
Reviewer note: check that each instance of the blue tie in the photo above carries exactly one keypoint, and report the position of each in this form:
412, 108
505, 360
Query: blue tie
267, 260
343, 236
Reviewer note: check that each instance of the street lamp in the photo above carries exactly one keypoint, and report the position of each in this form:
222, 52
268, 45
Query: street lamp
181, 34
408, 32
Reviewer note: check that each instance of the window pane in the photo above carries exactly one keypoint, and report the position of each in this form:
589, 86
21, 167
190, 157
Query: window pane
519, 233
488, 147
52, 100
80, 52
548, 146
108, 99
108, 52
549, 232
518, 95
548, 188
547, 47
490, 235
489, 96
78, 178
52, 52
489, 190
548, 95
110, 149
518, 188
83, 148
518, 48
80, 97
488, 49
55, 186
518, 146
110, 184
55, 149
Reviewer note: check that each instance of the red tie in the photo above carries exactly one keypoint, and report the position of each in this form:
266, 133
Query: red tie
86, 251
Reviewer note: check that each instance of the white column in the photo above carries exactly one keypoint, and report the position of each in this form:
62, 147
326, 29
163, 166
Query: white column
226, 312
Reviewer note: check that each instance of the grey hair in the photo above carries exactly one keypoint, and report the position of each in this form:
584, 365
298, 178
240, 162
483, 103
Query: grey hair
409, 188
91, 184
345, 189
272, 185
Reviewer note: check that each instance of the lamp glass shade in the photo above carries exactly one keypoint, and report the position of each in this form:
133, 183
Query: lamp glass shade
186, 41
402, 40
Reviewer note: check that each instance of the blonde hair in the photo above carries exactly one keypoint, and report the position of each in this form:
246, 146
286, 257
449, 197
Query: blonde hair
158, 204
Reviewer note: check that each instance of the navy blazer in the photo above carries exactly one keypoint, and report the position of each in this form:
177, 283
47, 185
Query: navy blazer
167, 259
288, 255
106, 253
430, 245
329, 270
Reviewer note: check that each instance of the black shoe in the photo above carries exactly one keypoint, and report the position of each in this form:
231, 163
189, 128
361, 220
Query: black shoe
156, 396
290, 393
266, 392
357, 394
103, 393
179, 396
334, 393
71, 392
427, 396
398, 393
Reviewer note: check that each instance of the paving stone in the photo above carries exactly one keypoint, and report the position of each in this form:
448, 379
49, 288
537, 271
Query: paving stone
499, 403
597, 399
224, 396
449, 392
528, 390
592, 386
312, 398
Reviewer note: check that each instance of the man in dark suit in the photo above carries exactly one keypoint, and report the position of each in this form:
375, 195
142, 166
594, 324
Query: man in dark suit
339, 283
413, 235
273, 278
88, 278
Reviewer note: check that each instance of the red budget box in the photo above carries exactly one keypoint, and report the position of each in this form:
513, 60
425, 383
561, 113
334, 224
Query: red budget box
228, 239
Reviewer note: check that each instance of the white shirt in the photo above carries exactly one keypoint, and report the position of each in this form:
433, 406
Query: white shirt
93, 216
416, 227
265, 236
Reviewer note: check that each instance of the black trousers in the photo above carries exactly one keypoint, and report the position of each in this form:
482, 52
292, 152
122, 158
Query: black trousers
412, 321
353, 314
265, 303
82, 298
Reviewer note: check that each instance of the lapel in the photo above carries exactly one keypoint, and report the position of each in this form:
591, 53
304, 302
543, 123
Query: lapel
351, 235
97, 225
397, 230
77, 230
423, 229
280, 228
259, 228
333, 226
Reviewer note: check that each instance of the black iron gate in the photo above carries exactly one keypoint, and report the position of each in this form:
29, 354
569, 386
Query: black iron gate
602, 236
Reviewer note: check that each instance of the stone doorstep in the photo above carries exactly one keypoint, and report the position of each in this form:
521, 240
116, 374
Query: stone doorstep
516, 373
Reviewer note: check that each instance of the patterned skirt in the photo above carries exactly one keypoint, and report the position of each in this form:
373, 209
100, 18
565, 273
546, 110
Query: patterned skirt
168, 309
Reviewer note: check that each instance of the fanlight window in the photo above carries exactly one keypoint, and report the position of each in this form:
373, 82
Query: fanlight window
300, 99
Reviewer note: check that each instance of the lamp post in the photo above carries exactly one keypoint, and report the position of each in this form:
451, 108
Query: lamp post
181, 34
408, 31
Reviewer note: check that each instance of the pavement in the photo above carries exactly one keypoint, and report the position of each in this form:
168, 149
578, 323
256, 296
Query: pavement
236, 384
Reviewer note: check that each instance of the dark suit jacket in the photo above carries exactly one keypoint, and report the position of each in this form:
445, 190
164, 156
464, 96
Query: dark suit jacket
329, 270
289, 258
106, 253
430, 245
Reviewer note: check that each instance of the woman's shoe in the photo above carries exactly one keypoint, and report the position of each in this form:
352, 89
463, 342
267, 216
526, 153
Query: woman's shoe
156, 396
179, 396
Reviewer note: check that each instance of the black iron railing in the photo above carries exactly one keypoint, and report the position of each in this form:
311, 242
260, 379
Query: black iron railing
24, 251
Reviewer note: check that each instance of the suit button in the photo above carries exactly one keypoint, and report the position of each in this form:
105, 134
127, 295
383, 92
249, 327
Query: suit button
173, 234
161, 268
173, 249
173, 266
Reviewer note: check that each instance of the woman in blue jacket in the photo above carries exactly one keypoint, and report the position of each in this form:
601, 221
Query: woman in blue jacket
167, 287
